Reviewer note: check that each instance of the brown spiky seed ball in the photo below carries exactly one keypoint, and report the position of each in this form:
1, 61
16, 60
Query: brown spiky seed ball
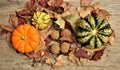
55, 34
55, 48
66, 32
65, 47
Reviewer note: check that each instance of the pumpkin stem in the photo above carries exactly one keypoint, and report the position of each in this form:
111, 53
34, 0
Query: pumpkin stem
24, 37
94, 32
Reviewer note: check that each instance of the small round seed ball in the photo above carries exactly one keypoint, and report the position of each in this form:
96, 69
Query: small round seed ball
55, 35
55, 48
65, 47
65, 32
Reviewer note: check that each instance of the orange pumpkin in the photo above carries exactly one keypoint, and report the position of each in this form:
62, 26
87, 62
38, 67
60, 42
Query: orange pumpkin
25, 38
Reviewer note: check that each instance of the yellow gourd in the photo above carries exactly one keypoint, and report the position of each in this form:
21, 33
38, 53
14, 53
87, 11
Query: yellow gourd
40, 20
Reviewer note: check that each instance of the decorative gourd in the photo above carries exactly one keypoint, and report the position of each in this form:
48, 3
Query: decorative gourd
25, 38
40, 20
93, 31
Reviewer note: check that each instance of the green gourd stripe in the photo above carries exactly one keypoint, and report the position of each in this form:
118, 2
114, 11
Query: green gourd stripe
103, 38
105, 27
81, 29
91, 21
85, 40
103, 24
84, 25
98, 42
99, 20
82, 34
106, 32
92, 43
88, 22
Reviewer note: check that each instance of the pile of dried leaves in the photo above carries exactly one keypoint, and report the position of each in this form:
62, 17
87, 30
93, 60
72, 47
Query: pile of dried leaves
58, 42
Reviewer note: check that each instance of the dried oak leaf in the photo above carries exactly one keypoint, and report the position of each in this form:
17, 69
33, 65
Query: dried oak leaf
101, 12
51, 3
66, 6
46, 32
13, 20
85, 2
2, 33
47, 40
8, 35
43, 3
32, 55
71, 21
41, 48
98, 54
73, 58
80, 53
30, 6
60, 22
55, 3
24, 12
45, 57
58, 2
8, 28
21, 20
60, 61
58, 10
51, 13
84, 11
30, 3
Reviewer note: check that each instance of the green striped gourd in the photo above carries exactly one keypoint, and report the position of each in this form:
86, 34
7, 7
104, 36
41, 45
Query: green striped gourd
93, 31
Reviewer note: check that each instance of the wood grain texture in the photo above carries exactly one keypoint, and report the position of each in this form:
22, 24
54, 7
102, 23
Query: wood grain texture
10, 60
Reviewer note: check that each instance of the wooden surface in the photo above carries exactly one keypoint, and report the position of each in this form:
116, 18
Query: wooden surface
10, 60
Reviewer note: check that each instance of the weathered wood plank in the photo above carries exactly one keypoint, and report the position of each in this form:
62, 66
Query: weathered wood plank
11, 60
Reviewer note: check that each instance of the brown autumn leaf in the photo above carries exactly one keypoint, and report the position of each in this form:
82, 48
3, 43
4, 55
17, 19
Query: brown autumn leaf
7, 27
81, 53
32, 55
30, 6
73, 58
98, 54
41, 48
58, 10
85, 2
51, 3
30, 3
2, 32
60, 61
101, 12
13, 20
21, 20
43, 3
84, 11
66, 6
8, 35
58, 3
24, 12
47, 40
96, 5
55, 3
